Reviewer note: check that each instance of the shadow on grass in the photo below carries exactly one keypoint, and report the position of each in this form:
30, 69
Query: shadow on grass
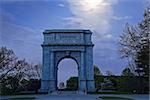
21, 98
113, 92
114, 98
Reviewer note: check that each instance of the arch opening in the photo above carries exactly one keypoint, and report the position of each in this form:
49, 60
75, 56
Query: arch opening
67, 74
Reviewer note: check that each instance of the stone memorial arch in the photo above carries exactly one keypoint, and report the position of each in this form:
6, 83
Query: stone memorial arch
60, 44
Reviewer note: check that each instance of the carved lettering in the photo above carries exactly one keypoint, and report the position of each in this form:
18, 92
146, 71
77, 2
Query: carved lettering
68, 37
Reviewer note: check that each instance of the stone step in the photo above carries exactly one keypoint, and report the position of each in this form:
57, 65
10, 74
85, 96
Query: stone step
68, 92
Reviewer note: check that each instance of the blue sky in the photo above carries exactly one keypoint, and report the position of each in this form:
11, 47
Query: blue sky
23, 21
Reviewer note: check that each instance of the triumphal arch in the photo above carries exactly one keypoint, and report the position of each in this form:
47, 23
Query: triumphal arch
59, 44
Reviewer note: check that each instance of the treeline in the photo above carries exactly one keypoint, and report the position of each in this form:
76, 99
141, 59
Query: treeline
17, 74
122, 84
127, 82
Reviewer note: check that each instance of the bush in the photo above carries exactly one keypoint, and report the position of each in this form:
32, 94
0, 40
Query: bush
72, 83
5, 90
9, 86
130, 84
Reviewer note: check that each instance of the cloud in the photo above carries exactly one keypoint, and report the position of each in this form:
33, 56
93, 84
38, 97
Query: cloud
121, 18
61, 5
94, 15
73, 20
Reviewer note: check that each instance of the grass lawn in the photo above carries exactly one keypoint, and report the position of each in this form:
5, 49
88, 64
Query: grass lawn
114, 98
24, 98
113, 92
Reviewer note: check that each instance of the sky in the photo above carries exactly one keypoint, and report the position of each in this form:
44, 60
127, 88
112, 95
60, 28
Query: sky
23, 21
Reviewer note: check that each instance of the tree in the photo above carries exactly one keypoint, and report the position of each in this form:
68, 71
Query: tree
109, 73
127, 72
134, 45
97, 79
13, 78
97, 71
38, 70
10, 65
142, 57
7, 61
72, 83
13, 70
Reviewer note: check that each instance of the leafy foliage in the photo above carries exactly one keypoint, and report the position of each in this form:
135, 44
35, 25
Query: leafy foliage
7, 61
134, 45
124, 84
72, 83
127, 72
97, 71
13, 71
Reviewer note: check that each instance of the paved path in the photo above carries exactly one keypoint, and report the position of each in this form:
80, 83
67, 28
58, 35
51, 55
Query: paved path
132, 96
69, 97
78, 96
55, 97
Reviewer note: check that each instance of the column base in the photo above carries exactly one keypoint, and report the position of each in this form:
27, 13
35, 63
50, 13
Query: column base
47, 86
82, 85
91, 86
43, 91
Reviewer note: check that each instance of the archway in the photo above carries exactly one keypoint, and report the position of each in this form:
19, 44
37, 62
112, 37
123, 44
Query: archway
67, 71
60, 44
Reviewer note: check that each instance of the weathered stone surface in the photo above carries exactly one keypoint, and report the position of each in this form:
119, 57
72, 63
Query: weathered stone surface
60, 44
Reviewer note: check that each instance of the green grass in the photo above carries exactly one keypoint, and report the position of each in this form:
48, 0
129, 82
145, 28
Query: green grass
114, 98
115, 92
12, 94
24, 98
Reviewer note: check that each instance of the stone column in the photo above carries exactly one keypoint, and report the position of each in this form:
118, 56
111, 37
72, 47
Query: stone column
45, 81
90, 69
82, 77
52, 65
52, 73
